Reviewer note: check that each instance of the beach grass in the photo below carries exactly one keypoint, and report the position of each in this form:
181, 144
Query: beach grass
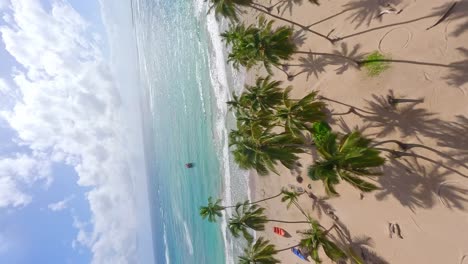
376, 63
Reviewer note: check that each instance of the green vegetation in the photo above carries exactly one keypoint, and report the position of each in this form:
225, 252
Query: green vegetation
259, 43
231, 9
348, 159
261, 109
260, 252
375, 63
249, 216
273, 128
317, 237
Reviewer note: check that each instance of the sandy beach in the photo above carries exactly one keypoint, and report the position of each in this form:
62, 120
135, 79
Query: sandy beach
427, 197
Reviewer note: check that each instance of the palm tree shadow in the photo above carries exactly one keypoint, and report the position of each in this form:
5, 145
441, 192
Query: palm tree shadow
344, 51
362, 246
311, 64
452, 136
459, 12
315, 64
287, 5
364, 11
406, 119
367, 9
299, 38
458, 73
415, 185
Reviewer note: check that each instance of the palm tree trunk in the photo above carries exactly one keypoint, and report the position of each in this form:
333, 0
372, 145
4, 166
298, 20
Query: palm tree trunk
288, 222
266, 199
345, 104
356, 62
399, 154
402, 145
259, 201
267, 8
292, 22
408, 146
288, 248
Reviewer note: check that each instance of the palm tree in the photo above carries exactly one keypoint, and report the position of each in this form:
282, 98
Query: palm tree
262, 149
264, 96
315, 238
251, 217
261, 252
259, 43
297, 115
214, 208
290, 197
293, 198
348, 160
231, 8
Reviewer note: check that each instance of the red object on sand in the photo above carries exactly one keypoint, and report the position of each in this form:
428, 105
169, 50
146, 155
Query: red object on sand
280, 231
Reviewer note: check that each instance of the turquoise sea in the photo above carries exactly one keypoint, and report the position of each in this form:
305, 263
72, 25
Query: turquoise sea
186, 83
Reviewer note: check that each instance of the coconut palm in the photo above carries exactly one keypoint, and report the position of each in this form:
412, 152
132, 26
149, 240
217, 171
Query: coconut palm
231, 9
350, 159
316, 238
297, 115
248, 216
214, 208
290, 197
264, 96
261, 252
262, 149
259, 43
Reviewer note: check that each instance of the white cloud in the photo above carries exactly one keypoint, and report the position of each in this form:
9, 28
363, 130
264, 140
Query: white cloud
71, 112
60, 205
4, 4
17, 171
4, 88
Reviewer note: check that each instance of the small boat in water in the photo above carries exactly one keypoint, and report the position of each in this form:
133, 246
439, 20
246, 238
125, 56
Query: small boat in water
189, 165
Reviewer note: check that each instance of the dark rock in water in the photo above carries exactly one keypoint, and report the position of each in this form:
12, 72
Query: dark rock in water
189, 165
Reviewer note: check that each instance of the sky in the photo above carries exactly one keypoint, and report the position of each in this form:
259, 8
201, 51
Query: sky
72, 173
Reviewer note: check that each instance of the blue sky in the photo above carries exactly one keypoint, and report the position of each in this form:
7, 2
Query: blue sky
72, 185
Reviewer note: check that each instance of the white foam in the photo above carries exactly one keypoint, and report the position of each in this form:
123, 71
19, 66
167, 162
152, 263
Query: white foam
222, 93
166, 246
188, 239
220, 87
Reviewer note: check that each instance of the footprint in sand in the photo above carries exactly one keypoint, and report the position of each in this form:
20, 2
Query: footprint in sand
395, 40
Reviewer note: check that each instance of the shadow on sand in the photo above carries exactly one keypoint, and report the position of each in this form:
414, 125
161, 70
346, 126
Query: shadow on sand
426, 183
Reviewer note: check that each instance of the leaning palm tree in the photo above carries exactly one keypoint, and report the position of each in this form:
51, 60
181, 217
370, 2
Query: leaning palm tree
259, 43
298, 115
252, 217
260, 149
261, 252
350, 159
290, 197
264, 96
214, 208
316, 238
231, 9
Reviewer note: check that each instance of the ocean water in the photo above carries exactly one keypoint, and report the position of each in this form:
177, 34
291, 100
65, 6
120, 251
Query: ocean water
186, 83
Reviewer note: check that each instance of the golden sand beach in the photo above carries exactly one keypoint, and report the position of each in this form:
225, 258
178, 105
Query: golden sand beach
427, 197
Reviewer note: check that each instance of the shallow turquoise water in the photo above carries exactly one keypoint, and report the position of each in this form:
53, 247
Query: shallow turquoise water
185, 122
